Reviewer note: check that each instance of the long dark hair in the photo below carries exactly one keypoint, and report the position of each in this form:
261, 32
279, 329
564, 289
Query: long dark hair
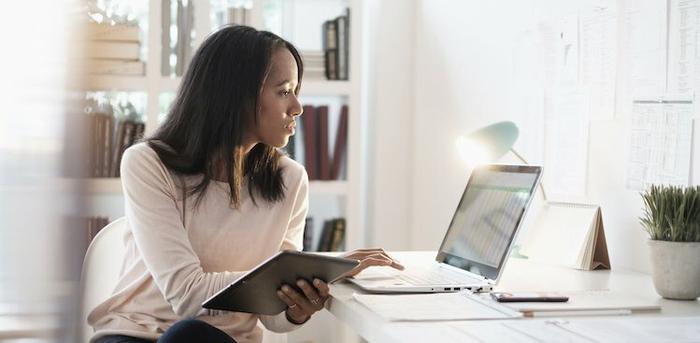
217, 100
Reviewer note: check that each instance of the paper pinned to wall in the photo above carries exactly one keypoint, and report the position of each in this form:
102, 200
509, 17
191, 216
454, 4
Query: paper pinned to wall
566, 144
683, 52
526, 95
660, 143
644, 47
560, 44
598, 38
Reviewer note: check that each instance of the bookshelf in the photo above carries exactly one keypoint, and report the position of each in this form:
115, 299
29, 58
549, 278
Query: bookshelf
346, 193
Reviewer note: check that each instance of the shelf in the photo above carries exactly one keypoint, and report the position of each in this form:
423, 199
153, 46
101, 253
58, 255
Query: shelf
328, 187
114, 185
325, 87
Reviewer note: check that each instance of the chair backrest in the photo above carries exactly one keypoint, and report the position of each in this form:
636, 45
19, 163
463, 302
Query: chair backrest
101, 267
100, 275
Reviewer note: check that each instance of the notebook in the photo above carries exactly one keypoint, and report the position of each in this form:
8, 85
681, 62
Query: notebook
477, 242
568, 234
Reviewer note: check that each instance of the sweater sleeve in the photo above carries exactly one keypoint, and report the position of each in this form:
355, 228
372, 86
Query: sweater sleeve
292, 240
153, 215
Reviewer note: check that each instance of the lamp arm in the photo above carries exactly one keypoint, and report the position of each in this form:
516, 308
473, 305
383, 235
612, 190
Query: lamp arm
522, 159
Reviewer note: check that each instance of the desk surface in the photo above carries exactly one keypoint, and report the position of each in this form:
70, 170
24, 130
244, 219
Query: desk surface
519, 275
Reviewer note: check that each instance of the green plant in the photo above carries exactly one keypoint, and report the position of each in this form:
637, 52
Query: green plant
672, 213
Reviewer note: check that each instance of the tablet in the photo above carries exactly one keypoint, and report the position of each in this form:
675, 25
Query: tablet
256, 291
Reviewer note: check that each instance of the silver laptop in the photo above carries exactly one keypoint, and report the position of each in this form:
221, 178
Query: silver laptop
478, 241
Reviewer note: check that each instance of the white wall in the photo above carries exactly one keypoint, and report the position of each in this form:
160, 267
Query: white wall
462, 70
390, 122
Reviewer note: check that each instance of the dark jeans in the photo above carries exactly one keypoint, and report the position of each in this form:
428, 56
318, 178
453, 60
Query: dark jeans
188, 330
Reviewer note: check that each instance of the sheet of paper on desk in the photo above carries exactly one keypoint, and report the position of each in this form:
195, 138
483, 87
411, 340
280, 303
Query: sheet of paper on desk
628, 329
440, 306
591, 300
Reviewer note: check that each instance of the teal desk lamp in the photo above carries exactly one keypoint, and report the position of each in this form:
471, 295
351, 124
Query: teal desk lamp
490, 143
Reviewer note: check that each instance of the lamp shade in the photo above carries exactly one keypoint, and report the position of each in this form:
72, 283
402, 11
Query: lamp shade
489, 143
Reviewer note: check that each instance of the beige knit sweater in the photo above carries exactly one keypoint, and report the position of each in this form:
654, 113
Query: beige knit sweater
171, 268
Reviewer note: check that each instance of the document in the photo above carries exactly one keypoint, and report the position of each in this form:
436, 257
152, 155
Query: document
589, 301
625, 329
660, 143
644, 48
566, 144
684, 28
439, 306
598, 32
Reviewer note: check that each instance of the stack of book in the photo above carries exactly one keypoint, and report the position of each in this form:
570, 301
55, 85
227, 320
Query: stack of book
94, 225
238, 15
114, 50
314, 64
320, 165
336, 43
332, 235
107, 144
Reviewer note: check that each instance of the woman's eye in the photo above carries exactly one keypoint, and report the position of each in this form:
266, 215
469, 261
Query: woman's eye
285, 93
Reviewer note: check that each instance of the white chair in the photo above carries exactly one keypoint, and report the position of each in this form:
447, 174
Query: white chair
101, 267
100, 275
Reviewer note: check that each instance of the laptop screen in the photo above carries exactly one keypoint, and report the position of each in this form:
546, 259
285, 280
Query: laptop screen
488, 216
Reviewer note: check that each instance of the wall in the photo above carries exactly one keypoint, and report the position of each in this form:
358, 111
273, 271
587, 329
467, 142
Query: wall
390, 122
463, 61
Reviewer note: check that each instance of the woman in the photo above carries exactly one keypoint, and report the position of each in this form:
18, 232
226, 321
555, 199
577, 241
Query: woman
208, 196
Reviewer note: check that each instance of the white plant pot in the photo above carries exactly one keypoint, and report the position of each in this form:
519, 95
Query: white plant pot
675, 269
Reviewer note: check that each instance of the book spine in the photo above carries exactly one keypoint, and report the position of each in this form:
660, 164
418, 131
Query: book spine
114, 50
338, 241
341, 55
104, 32
339, 149
310, 145
331, 49
117, 67
322, 129
107, 145
324, 243
308, 234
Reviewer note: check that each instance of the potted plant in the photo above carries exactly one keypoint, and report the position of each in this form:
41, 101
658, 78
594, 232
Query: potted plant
672, 219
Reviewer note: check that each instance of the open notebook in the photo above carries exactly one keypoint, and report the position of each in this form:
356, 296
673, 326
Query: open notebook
568, 234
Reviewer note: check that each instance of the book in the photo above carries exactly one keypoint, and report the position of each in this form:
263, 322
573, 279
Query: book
106, 145
339, 148
569, 234
114, 50
123, 140
338, 239
116, 67
310, 144
330, 48
308, 234
326, 239
118, 32
324, 167
342, 50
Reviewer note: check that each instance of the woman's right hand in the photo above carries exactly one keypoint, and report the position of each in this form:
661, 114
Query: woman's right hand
368, 258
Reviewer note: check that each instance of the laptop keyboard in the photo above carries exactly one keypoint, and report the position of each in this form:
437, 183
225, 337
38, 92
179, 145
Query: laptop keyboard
436, 276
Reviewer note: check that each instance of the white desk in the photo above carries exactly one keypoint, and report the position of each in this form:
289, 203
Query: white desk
519, 275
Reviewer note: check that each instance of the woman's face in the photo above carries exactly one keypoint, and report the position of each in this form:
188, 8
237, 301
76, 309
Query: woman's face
279, 106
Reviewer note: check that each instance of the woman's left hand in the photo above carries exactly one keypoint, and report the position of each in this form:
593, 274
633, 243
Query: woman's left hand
300, 306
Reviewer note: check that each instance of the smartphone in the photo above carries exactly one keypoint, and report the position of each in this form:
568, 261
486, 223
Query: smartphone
506, 297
